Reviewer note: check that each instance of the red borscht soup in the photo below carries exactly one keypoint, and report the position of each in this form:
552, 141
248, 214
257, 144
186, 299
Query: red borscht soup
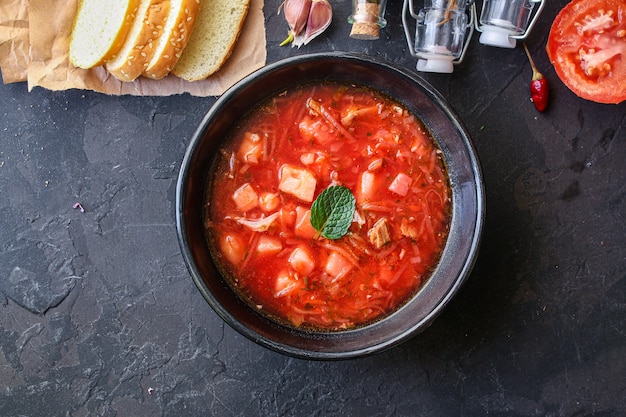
280, 158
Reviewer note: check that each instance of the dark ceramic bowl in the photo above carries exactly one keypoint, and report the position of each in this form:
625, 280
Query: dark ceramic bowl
467, 205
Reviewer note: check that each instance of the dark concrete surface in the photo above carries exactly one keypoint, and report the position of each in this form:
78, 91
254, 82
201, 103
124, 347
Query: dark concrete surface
99, 316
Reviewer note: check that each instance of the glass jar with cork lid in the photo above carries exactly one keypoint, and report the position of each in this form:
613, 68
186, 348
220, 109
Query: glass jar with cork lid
367, 18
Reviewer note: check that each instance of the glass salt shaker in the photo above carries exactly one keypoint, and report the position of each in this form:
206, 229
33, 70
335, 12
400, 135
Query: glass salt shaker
503, 22
443, 29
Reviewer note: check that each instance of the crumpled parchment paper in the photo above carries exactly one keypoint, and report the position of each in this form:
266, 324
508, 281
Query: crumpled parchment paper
34, 44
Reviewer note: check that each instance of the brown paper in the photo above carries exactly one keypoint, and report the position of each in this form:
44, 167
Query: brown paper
14, 42
48, 66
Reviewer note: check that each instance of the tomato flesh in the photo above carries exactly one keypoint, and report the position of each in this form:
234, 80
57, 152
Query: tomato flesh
587, 46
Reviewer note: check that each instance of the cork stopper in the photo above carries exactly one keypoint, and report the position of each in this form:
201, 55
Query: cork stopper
366, 17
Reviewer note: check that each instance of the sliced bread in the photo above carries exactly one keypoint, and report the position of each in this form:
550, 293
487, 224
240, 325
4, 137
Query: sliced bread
213, 38
178, 26
99, 30
133, 58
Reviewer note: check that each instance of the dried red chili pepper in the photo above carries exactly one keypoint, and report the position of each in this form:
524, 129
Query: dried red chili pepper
539, 88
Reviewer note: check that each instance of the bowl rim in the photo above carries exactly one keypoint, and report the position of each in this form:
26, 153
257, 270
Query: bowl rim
473, 246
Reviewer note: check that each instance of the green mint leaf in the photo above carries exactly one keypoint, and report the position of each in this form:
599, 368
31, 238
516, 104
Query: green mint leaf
332, 212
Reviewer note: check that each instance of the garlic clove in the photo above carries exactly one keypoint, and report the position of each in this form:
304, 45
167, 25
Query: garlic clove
320, 16
296, 14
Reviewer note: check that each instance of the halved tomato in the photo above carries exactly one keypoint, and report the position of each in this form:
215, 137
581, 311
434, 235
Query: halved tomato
587, 46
